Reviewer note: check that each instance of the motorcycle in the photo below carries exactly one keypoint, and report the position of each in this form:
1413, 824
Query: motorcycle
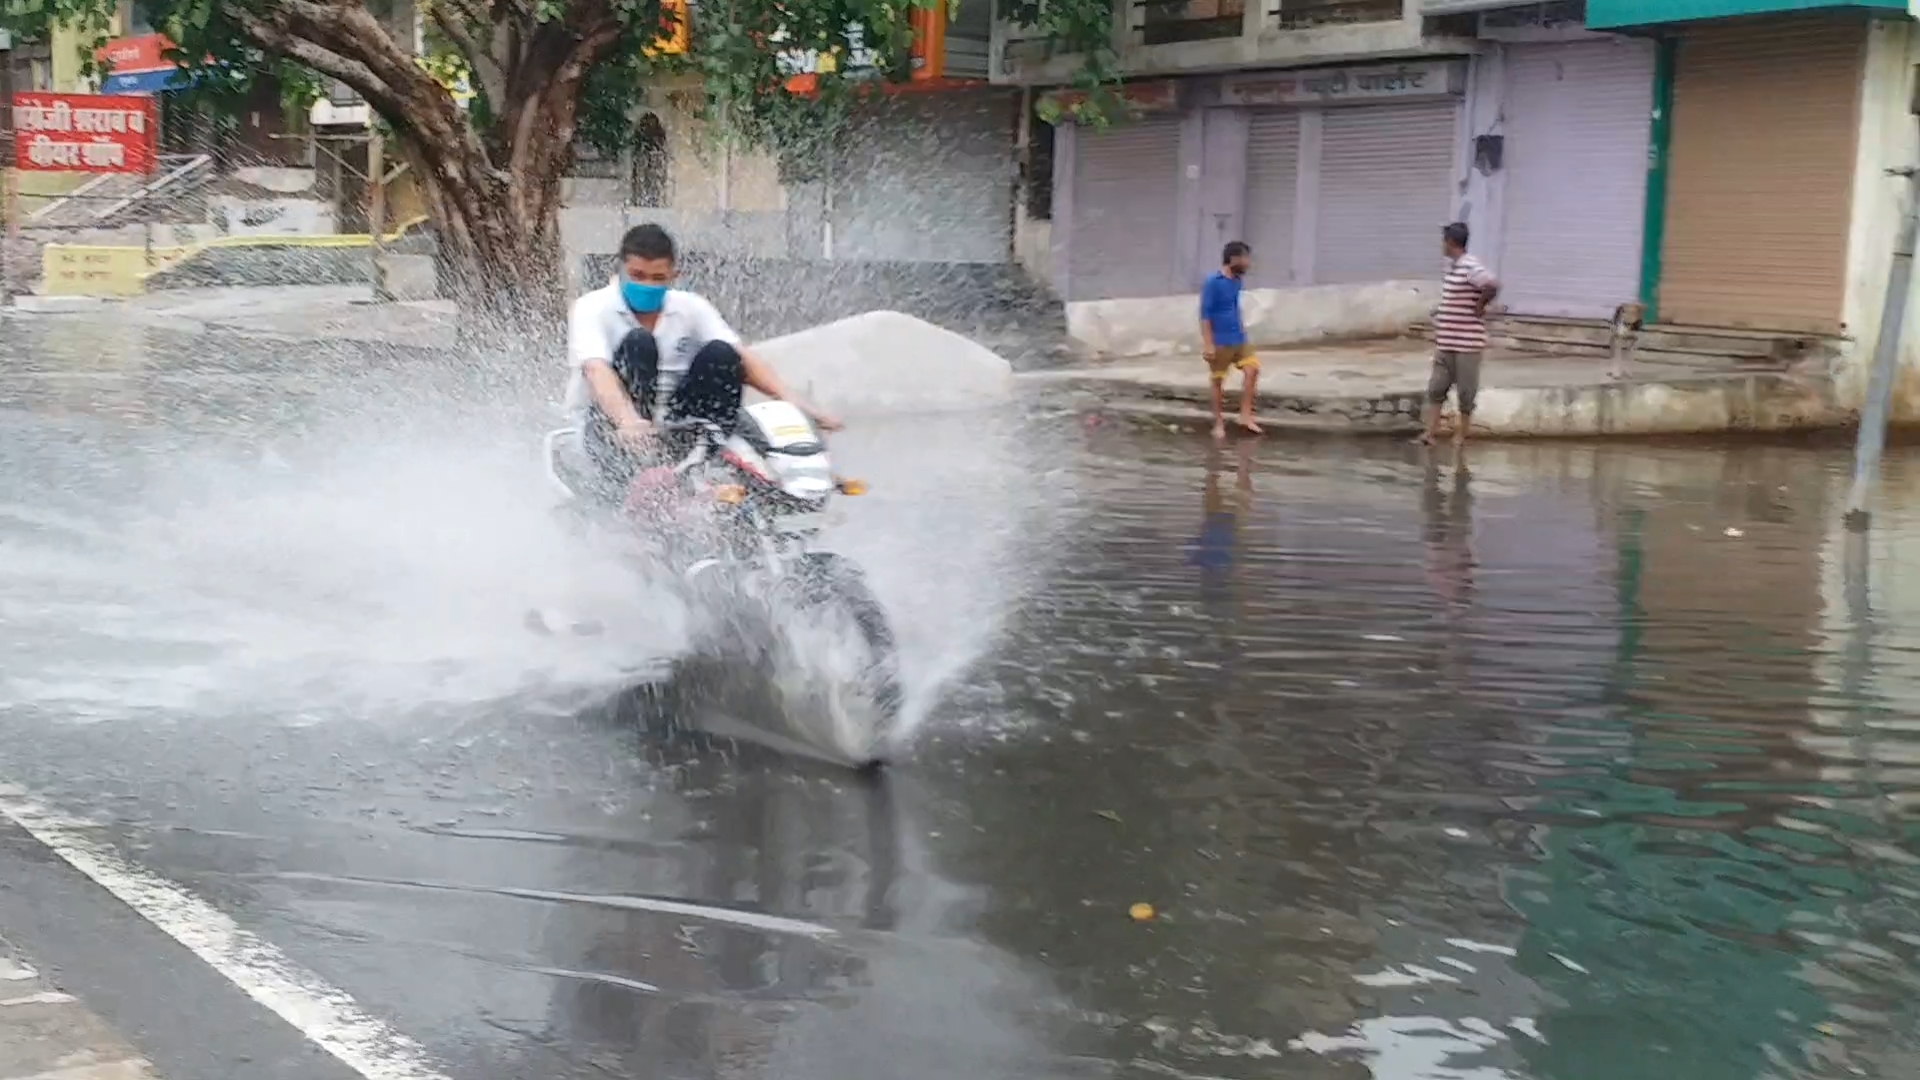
736, 521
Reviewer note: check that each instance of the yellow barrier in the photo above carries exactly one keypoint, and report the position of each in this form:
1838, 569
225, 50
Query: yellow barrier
119, 271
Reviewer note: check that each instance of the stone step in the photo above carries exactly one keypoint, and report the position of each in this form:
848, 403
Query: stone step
1705, 341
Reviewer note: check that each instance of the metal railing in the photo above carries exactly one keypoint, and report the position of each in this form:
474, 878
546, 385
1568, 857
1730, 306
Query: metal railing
176, 174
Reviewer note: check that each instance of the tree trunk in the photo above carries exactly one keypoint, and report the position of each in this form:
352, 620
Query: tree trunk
495, 195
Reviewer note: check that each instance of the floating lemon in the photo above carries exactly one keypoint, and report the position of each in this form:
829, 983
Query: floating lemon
1141, 912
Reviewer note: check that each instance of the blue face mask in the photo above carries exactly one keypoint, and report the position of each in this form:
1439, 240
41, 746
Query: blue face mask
645, 299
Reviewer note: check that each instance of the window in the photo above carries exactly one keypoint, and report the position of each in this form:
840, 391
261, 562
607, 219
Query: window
647, 186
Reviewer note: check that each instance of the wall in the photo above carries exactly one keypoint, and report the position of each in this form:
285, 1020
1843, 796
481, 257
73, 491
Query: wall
1170, 324
1026, 62
272, 217
1033, 250
69, 49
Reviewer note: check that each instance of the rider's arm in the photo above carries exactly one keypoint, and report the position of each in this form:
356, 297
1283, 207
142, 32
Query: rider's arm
611, 395
589, 349
754, 370
758, 374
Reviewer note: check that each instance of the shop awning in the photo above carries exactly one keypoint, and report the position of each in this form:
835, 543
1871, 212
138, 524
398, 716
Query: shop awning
147, 82
1614, 14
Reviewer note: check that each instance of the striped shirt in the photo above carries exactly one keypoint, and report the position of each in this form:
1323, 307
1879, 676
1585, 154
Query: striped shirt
1458, 325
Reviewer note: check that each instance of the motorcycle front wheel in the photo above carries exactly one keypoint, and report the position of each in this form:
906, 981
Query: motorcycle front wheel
827, 589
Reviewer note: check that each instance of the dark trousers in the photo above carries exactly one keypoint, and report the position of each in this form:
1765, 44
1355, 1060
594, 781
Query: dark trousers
710, 389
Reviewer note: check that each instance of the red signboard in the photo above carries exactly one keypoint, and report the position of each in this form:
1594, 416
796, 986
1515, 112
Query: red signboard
91, 133
148, 52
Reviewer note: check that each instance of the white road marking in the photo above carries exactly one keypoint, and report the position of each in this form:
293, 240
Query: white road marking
44, 997
324, 1014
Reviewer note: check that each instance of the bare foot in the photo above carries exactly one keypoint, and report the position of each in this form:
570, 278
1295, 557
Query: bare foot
1219, 432
1248, 425
1422, 439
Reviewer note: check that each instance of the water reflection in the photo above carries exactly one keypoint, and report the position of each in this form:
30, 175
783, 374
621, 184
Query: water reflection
1547, 813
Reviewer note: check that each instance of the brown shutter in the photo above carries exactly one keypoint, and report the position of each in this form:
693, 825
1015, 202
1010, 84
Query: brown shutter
1760, 174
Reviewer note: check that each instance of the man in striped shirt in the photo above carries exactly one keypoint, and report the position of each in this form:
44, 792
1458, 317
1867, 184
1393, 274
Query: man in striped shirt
1459, 333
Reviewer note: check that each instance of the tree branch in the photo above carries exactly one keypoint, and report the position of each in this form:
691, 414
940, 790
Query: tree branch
486, 70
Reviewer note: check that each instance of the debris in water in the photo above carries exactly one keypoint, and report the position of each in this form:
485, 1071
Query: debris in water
1108, 815
1735, 533
1141, 912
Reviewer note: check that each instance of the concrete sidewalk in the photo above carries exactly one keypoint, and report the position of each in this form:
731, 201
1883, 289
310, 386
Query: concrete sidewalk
48, 1035
291, 313
1378, 387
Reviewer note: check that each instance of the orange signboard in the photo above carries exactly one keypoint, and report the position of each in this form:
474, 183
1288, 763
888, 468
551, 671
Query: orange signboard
926, 56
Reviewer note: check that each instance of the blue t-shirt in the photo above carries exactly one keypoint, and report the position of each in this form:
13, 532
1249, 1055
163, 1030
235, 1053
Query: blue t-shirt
1220, 306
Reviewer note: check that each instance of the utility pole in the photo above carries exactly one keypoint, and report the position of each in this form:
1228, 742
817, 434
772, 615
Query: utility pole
377, 208
1872, 439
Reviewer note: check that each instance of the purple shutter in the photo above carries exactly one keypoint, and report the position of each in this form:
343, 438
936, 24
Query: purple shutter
1386, 186
1126, 188
1578, 120
1273, 184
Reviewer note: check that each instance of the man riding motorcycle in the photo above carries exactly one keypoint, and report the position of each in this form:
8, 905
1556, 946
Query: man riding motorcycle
643, 352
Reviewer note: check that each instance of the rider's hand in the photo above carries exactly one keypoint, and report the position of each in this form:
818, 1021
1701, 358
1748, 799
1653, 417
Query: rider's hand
826, 423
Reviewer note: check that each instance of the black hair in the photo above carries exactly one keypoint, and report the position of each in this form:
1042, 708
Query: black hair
1234, 249
1457, 234
647, 241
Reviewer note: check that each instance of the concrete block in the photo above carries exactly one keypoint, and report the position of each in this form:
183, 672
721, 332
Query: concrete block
412, 277
1163, 325
886, 362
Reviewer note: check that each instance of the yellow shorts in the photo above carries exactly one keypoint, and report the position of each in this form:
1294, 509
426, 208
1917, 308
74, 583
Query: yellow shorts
1228, 357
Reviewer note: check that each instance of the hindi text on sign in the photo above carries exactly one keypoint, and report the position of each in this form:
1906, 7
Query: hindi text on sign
84, 133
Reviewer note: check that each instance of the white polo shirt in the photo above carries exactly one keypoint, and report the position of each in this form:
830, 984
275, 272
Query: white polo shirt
601, 318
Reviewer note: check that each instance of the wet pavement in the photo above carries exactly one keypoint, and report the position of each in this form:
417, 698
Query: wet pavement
1564, 762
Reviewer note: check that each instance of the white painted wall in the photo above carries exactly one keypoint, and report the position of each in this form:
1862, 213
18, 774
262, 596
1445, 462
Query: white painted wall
272, 217
1888, 139
1170, 325
1033, 248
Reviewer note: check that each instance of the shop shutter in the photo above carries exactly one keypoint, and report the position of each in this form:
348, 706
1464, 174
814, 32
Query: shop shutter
1578, 121
1125, 194
1760, 174
930, 179
1386, 177
1273, 179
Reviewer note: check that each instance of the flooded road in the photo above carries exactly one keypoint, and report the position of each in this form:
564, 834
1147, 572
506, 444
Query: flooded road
1560, 761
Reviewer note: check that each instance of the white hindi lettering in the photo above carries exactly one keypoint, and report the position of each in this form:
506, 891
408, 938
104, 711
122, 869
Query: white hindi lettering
105, 154
47, 154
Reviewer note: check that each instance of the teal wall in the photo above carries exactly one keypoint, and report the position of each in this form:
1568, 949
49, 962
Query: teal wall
1609, 14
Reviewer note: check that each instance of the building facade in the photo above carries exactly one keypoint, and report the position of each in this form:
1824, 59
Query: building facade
1707, 159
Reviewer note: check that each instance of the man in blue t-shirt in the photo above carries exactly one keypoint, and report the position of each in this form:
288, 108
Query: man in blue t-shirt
1223, 338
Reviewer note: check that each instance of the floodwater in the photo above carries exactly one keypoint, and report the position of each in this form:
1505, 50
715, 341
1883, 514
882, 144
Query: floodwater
1556, 761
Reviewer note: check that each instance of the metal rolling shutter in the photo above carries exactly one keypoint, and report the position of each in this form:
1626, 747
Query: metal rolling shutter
931, 180
1578, 120
1760, 176
1273, 178
1126, 185
1386, 175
